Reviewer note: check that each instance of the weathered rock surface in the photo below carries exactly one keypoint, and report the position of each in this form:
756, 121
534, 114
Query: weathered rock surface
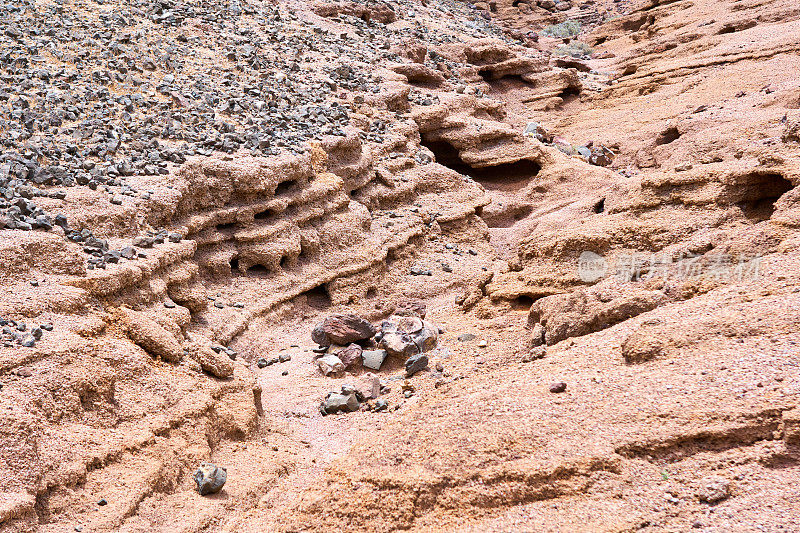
181, 176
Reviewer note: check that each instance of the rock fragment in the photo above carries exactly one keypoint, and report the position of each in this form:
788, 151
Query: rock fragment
210, 478
714, 490
342, 329
330, 364
404, 336
346, 401
373, 359
416, 363
350, 355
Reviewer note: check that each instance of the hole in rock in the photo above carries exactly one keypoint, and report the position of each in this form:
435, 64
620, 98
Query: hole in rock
667, 136
514, 80
372, 292
226, 227
733, 27
522, 302
234, 262
284, 187
570, 94
761, 193
507, 176
258, 270
600, 206
284, 261
266, 214
318, 297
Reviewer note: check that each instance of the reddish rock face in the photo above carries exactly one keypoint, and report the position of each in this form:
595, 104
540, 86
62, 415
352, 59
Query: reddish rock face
599, 195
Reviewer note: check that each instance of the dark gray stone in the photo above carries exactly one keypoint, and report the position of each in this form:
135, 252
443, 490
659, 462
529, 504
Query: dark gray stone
210, 478
416, 363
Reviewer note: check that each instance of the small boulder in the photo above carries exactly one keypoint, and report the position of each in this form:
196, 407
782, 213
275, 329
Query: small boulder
330, 364
369, 386
641, 346
350, 355
404, 336
342, 329
714, 490
373, 359
416, 363
210, 478
214, 363
346, 401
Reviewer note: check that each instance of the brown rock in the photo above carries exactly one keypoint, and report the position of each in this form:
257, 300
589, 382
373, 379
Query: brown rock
216, 364
149, 335
342, 330
350, 355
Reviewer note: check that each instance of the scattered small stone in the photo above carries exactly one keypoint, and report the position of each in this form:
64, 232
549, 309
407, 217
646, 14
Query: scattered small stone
714, 490
417, 270
416, 363
350, 355
330, 364
483, 344
557, 387
346, 401
466, 337
102, 502
210, 478
373, 359
285, 357
262, 362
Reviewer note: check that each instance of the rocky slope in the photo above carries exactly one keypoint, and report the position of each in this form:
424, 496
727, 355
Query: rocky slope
595, 204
